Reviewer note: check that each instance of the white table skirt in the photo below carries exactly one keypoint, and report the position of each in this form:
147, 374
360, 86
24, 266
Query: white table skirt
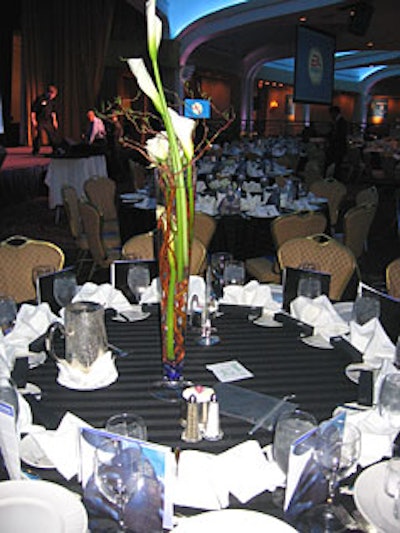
72, 172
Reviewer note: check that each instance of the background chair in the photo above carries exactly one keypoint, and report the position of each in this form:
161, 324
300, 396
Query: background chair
71, 207
142, 247
334, 191
393, 278
284, 228
100, 191
324, 254
204, 227
19, 255
102, 251
369, 195
357, 222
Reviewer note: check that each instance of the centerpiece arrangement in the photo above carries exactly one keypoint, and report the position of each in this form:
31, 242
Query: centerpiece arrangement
170, 149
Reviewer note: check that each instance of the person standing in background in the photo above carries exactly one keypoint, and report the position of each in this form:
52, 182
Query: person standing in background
337, 142
44, 116
96, 132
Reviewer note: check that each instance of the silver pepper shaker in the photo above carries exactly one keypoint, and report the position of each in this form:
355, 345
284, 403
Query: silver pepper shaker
191, 433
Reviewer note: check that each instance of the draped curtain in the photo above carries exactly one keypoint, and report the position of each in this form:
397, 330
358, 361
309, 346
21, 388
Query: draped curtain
65, 43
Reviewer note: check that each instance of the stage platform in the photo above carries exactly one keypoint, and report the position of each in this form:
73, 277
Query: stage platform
22, 174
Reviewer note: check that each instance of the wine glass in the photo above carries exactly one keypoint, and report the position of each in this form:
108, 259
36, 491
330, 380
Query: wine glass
336, 452
309, 286
8, 313
365, 308
234, 273
138, 279
389, 400
117, 475
218, 262
64, 288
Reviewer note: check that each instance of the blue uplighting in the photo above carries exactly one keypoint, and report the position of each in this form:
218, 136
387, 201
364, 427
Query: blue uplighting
182, 13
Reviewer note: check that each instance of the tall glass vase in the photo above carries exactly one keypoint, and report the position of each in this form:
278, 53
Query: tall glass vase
173, 317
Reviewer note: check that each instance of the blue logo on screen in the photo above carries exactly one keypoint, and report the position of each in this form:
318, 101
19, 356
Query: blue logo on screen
196, 108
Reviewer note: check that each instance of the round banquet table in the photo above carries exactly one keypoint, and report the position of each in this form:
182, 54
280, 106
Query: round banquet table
280, 362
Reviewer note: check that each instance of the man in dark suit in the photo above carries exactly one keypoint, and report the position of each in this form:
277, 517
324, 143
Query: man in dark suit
44, 116
337, 142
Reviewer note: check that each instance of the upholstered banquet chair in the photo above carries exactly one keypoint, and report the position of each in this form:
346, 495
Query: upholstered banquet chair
334, 191
204, 227
393, 278
322, 253
103, 250
142, 247
19, 256
357, 222
369, 195
100, 191
284, 228
71, 208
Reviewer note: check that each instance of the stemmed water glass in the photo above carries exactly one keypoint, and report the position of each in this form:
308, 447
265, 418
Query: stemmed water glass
336, 452
389, 400
365, 308
218, 262
117, 476
138, 280
64, 288
234, 273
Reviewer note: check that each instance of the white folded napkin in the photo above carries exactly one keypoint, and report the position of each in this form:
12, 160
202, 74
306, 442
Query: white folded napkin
31, 322
152, 294
250, 203
253, 294
372, 341
200, 186
319, 313
206, 204
101, 373
62, 445
251, 186
105, 295
197, 288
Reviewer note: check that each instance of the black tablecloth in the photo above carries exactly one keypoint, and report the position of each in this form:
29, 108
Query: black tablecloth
280, 362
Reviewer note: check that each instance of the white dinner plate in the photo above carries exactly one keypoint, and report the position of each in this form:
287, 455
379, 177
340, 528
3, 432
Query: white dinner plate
344, 310
32, 454
317, 341
27, 506
372, 501
234, 521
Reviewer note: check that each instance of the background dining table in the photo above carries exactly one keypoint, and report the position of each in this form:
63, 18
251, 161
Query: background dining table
281, 363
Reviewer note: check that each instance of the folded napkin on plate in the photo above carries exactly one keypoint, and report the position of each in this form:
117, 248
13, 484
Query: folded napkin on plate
32, 321
101, 373
319, 313
62, 445
376, 435
250, 203
253, 294
105, 295
197, 286
243, 471
372, 341
206, 204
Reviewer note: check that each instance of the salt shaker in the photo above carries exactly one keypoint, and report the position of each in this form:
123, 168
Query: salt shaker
213, 431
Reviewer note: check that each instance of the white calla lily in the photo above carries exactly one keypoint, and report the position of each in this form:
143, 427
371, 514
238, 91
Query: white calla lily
158, 147
154, 28
145, 81
184, 128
